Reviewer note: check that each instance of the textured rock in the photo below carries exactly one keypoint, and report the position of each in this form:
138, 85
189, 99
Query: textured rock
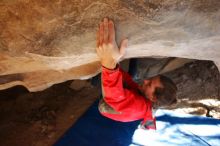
80, 84
44, 42
149, 67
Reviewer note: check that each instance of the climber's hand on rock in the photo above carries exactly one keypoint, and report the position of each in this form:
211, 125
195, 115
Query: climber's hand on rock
106, 48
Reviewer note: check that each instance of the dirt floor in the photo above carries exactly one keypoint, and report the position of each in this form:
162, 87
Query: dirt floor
39, 119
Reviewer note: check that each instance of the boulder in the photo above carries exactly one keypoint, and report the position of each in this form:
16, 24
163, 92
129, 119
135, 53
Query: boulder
43, 42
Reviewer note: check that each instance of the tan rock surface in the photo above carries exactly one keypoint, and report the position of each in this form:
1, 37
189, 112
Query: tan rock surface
47, 42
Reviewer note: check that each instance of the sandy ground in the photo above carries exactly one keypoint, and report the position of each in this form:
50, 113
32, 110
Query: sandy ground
39, 119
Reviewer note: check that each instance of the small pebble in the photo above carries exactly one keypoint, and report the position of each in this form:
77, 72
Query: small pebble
198, 80
191, 65
212, 67
184, 77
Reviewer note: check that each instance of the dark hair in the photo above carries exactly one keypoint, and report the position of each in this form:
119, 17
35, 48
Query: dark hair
166, 96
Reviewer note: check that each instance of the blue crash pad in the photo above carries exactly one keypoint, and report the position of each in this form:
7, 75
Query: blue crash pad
173, 129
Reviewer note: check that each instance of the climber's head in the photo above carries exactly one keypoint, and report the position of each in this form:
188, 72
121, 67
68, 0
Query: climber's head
161, 90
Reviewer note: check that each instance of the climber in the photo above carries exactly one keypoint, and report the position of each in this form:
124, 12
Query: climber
131, 102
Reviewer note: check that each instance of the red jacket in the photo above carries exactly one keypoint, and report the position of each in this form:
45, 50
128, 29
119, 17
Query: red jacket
122, 103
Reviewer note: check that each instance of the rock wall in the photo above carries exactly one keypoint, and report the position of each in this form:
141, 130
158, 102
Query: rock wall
43, 42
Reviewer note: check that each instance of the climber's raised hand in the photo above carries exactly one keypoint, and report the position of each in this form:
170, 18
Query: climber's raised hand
106, 47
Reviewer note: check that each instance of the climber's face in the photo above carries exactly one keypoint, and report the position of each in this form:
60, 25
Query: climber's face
148, 87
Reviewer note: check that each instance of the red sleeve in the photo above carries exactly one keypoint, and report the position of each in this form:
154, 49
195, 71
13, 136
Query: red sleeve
128, 79
120, 99
129, 105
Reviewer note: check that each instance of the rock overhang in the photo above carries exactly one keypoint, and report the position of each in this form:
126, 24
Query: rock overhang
44, 43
